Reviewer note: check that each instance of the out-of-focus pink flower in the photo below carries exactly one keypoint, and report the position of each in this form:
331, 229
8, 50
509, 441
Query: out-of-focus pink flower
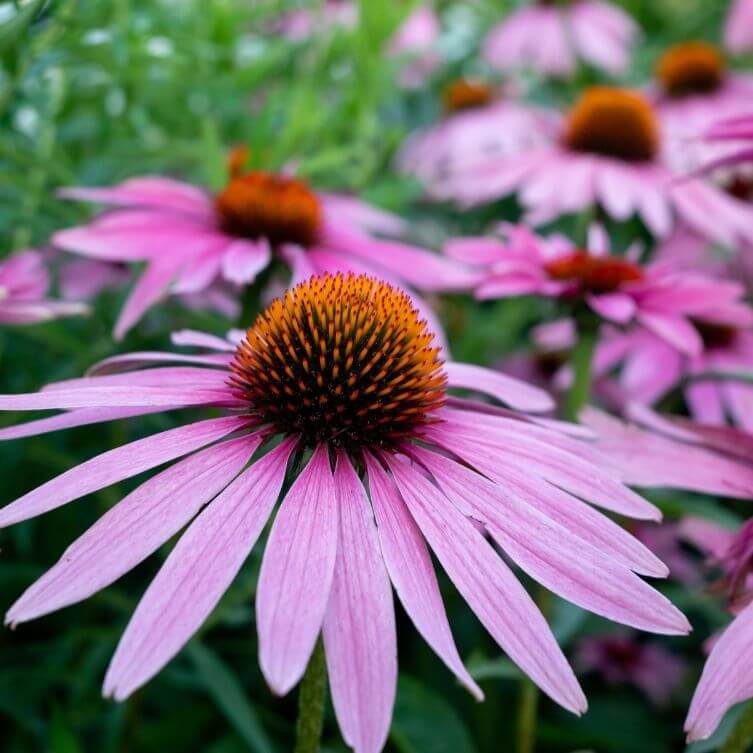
482, 121
667, 301
549, 37
666, 541
608, 151
301, 23
738, 28
84, 279
24, 284
621, 659
190, 239
416, 40
428, 464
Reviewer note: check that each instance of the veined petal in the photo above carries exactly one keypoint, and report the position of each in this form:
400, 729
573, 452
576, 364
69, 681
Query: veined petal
118, 464
359, 625
196, 574
134, 528
412, 573
296, 574
499, 601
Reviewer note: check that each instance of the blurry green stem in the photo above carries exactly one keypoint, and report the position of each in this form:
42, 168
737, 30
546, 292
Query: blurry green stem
527, 711
311, 697
580, 361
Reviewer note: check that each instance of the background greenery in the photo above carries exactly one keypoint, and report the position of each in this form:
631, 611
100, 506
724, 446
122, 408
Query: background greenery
93, 92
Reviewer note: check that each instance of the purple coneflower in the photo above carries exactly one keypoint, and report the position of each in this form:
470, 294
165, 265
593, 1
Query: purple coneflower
24, 284
609, 151
550, 36
339, 388
233, 236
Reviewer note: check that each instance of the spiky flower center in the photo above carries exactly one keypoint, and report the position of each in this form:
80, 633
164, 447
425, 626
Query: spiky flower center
265, 205
593, 274
614, 123
467, 94
341, 359
690, 68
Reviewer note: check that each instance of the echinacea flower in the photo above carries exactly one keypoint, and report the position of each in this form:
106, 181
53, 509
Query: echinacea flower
190, 239
694, 89
341, 371
608, 152
482, 120
621, 659
619, 289
24, 284
550, 36
738, 27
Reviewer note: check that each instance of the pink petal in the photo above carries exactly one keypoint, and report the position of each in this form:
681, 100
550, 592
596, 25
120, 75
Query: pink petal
359, 625
136, 360
190, 337
118, 464
296, 574
133, 529
148, 290
559, 560
675, 330
196, 574
506, 389
499, 601
616, 307
243, 260
727, 677
412, 573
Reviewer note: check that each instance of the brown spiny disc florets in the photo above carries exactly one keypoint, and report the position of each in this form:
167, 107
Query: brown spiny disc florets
265, 205
615, 123
466, 94
593, 274
342, 359
690, 68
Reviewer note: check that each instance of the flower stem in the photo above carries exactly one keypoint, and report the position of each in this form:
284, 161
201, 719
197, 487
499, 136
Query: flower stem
311, 697
528, 707
580, 361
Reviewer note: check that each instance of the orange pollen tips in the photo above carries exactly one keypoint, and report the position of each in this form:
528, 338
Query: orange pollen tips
341, 359
615, 123
467, 94
265, 205
690, 68
593, 274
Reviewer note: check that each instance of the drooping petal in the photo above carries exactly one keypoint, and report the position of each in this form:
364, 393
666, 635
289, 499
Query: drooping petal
556, 558
243, 260
727, 677
412, 573
499, 601
296, 574
196, 574
359, 625
134, 528
118, 464
513, 392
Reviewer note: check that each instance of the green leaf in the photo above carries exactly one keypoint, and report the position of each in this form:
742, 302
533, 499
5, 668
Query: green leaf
228, 694
424, 722
62, 739
12, 29
741, 737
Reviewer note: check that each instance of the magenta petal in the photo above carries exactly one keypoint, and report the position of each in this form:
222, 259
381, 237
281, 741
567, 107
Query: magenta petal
616, 307
136, 360
359, 625
118, 464
727, 677
499, 601
134, 528
243, 260
559, 560
296, 574
196, 574
513, 392
412, 573
675, 330
151, 286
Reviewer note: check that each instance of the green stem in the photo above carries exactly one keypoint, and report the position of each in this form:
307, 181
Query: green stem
528, 707
311, 697
580, 361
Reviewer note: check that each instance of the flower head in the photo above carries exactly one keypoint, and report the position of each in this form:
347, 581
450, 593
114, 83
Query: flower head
550, 36
611, 151
190, 239
341, 374
24, 284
